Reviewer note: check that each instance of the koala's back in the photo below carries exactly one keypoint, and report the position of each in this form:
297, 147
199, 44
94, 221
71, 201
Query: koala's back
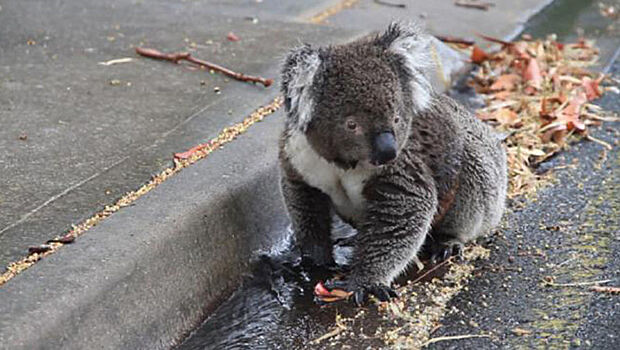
470, 171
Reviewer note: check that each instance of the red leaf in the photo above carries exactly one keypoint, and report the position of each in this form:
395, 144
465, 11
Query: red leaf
232, 37
478, 55
505, 82
570, 114
189, 152
532, 74
519, 49
66, 239
321, 291
591, 87
581, 44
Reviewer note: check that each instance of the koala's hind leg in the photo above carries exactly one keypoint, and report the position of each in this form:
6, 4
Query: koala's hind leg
310, 213
478, 205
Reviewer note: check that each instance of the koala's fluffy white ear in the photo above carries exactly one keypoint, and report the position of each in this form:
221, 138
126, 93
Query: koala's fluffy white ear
414, 45
298, 73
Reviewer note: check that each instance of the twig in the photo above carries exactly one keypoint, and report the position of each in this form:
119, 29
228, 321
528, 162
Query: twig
431, 270
600, 142
577, 284
334, 332
116, 61
454, 40
494, 40
178, 56
602, 289
571, 259
472, 4
391, 4
455, 337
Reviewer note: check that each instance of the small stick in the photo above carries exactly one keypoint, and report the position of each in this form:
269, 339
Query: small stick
495, 40
602, 289
454, 40
178, 56
600, 142
332, 333
455, 337
476, 5
391, 4
576, 284
431, 270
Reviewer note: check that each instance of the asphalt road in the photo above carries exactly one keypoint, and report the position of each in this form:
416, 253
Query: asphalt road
570, 234
567, 234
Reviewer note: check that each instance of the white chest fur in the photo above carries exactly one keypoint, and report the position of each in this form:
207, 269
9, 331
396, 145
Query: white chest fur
344, 187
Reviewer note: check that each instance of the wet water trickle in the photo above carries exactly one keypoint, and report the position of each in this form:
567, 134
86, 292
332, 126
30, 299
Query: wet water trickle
274, 308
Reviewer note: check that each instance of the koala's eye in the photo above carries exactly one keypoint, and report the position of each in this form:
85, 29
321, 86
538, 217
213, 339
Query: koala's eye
396, 120
351, 125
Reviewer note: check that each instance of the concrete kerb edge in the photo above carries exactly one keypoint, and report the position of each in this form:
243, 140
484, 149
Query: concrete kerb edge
150, 273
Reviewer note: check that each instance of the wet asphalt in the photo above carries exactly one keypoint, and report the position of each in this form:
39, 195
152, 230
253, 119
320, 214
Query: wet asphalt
533, 290
568, 234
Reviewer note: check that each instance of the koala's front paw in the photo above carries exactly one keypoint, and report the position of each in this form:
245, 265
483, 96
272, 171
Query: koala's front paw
362, 292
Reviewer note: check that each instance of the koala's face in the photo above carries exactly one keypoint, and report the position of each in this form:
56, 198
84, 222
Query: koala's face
358, 114
355, 102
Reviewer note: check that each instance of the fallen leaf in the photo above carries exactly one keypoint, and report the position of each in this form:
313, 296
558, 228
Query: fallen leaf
187, 154
556, 134
505, 82
38, 249
570, 114
505, 116
320, 290
532, 74
66, 239
478, 55
328, 296
232, 37
502, 95
519, 49
591, 87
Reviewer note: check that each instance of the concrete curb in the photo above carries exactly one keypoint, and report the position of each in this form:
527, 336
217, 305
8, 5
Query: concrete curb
149, 274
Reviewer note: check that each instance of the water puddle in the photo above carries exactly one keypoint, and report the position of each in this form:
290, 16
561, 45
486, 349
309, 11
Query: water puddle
275, 307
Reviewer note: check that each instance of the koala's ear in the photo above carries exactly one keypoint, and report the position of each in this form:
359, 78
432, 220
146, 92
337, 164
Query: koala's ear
298, 73
414, 46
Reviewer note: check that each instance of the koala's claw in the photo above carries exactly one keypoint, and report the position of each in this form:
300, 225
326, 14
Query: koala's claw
361, 293
443, 251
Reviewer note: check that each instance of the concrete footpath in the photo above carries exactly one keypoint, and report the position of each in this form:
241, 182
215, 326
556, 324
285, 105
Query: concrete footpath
77, 134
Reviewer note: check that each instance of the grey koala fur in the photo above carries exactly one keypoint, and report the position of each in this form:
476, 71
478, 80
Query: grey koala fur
445, 184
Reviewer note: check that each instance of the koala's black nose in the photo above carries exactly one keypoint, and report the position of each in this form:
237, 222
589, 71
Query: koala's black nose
384, 148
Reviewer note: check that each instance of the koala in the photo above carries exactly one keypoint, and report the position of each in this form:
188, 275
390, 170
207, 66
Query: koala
368, 139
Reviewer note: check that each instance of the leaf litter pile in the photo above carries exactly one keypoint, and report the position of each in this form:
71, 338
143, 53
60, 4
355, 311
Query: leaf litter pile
536, 92
539, 93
